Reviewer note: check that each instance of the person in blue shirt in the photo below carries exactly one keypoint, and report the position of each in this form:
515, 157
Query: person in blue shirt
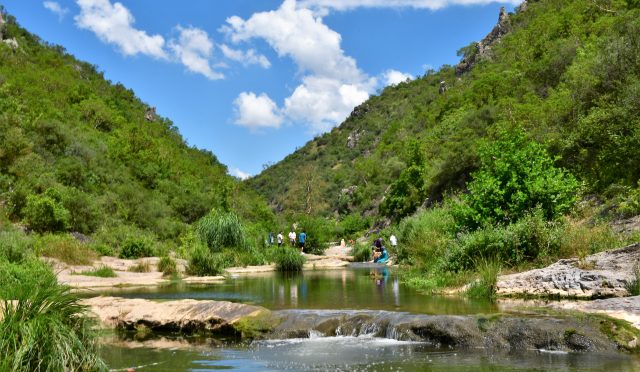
383, 257
302, 237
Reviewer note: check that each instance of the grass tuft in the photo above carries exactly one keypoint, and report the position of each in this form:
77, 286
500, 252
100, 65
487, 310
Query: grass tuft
289, 259
167, 266
101, 272
633, 287
361, 253
141, 267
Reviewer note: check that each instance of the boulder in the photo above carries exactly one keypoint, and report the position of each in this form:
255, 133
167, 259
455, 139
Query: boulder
605, 274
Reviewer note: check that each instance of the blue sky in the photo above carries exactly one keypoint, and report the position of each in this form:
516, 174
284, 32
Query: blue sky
252, 80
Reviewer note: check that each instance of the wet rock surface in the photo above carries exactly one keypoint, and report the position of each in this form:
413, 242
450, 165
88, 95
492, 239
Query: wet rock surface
491, 332
504, 332
605, 274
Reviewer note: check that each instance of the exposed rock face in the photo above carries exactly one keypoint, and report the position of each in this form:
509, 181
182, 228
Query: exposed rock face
483, 48
349, 190
183, 315
13, 43
627, 226
604, 274
625, 308
353, 138
150, 114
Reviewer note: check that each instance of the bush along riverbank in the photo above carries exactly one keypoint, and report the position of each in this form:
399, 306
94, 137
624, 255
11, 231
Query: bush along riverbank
520, 213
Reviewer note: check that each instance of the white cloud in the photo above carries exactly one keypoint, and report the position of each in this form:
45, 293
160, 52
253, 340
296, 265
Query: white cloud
332, 84
323, 102
113, 24
194, 49
56, 8
416, 4
256, 112
394, 77
249, 57
238, 173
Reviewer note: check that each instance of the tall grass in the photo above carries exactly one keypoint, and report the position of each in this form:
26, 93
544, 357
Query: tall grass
65, 248
633, 287
485, 285
220, 230
44, 328
167, 266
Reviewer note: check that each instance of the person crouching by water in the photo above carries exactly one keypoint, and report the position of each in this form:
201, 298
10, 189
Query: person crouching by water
302, 237
381, 255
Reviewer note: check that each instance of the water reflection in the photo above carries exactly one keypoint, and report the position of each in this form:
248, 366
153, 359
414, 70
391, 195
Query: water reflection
374, 288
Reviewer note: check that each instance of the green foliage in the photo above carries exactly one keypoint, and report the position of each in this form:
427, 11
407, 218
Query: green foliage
352, 224
485, 285
516, 176
77, 154
137, 247
101, 272
43, 327
167, 266
64, 248
45, 213
220, 229
202, 262
289, 259
361, 253
567, 72
319, 231
15, 246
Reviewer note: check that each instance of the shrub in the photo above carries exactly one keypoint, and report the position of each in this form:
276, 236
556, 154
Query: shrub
44, 213
65, 248
201, 262
425, 236
516, 176
44, 328
15, 246
167, 266
102, 272
318, 230
289, 259
361, 253
352, 224
220, 230
512, 245
137, 247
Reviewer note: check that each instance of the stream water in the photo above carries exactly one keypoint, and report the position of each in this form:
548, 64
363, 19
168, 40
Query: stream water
363, 288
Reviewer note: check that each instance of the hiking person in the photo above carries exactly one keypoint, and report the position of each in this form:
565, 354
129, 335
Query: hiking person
270, 238
302, 237
292, 238
280, 238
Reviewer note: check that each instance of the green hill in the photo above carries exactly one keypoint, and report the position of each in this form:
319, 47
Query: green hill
81, 154
567, 72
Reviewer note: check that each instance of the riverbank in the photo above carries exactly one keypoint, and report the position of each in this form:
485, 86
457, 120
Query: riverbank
126, 275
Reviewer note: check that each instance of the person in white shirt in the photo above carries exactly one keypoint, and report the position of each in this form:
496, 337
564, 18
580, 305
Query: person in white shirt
280, 239
393, 240
292, 238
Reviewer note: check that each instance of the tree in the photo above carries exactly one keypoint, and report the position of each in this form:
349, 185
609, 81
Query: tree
515, 177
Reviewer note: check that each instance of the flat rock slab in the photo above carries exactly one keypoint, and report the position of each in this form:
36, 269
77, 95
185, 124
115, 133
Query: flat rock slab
625, 308
182, 315
605, 274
